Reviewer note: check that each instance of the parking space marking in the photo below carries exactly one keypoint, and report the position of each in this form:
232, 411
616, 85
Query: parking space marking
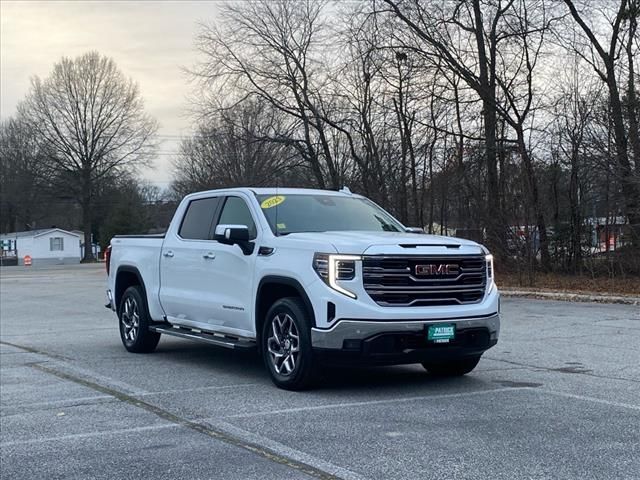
35, 350
80, 436
69, 402
199, 389
376, 402
205, 429
284, 450
590, 399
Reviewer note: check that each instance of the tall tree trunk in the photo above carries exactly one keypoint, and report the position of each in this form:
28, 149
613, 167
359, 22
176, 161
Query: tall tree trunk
460, 198
487, 93
575, 220
494, 217
87, 214
633, 109
535, 200
630, 188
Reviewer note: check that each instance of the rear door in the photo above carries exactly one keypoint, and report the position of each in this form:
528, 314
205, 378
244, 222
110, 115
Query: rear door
186, 264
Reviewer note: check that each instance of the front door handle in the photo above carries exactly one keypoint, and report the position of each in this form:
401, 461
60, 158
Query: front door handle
209, 256
168, 253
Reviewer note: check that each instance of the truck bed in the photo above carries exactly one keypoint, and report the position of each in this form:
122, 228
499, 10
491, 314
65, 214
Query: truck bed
141, 253
149, 235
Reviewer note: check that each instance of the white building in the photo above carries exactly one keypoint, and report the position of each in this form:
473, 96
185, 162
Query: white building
50, 246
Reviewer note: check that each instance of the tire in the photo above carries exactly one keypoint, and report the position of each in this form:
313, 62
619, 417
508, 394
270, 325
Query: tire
134, 322
452, 368
286, 345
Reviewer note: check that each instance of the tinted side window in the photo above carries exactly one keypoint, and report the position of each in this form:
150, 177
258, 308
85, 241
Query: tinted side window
236, 212
198, 218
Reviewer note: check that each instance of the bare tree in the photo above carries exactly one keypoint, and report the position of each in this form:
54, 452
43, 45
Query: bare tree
605, 58
92, 119
270, 50
633, 106
527, 25
235, 148
438, 110
23, 164
465, 37
572, 116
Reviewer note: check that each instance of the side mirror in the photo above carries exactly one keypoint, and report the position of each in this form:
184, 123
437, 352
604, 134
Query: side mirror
414, 230
234, 235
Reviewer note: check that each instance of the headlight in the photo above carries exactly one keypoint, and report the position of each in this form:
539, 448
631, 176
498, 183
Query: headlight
489, 261
332, 268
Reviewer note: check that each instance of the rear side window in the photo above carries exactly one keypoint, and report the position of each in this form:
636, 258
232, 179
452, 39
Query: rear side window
236, 212
197, 221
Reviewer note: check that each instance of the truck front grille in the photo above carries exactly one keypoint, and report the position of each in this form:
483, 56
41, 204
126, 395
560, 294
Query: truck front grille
416, 281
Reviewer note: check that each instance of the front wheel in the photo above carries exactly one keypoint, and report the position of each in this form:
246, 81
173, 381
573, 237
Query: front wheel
452, 368
134, 322
286, 344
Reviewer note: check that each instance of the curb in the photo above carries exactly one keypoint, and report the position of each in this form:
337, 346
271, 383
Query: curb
572, 297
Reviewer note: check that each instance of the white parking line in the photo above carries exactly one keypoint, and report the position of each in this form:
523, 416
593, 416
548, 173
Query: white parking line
589, 399
200, 389
283, 450
375, 402
79, 436
433, 397
69, 402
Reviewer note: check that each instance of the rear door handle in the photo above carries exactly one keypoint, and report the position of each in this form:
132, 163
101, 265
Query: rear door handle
209, 256
168, 253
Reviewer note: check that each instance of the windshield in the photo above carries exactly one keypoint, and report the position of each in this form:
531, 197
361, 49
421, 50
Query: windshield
321, 213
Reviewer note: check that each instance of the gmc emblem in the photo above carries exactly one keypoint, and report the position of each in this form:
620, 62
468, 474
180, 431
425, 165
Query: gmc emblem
437, 269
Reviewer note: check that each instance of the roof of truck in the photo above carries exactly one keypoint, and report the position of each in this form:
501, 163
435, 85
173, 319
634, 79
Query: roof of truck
282, 191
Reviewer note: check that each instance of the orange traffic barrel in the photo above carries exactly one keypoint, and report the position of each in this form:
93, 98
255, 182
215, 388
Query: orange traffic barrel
27, 260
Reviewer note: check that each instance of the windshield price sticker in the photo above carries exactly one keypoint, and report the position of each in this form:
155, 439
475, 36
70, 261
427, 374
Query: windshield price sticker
272, 201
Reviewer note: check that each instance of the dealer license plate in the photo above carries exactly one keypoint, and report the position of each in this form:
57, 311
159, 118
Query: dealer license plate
441, 332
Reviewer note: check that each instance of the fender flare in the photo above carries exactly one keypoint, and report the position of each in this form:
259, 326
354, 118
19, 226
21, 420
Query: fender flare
290, 282
136, 272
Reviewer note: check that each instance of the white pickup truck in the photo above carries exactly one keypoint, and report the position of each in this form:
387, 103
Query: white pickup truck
306, 277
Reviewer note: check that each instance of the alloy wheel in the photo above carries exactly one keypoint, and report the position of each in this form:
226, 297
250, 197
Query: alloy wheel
284, 344
130, 319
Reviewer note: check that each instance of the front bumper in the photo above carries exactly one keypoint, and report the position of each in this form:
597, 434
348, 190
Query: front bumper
335, 336
404, 341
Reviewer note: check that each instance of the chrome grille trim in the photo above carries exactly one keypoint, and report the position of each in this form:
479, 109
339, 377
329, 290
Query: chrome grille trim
391, 281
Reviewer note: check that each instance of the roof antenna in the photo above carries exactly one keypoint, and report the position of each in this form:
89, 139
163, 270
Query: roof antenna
345, 189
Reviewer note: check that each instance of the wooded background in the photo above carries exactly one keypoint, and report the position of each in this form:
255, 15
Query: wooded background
511, 122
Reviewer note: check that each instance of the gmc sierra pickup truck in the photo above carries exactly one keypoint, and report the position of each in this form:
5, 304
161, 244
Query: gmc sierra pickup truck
305, 277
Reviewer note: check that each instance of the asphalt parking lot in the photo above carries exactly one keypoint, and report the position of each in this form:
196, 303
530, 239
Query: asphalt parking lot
558, 397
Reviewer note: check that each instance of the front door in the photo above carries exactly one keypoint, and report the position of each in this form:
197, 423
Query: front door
233, 272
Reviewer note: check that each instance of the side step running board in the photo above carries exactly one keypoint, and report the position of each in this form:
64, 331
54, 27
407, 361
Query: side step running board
212, 338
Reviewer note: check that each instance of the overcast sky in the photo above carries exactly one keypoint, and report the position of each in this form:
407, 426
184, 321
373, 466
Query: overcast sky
150, 40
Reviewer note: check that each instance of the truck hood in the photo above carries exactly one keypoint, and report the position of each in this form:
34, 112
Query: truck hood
378, 243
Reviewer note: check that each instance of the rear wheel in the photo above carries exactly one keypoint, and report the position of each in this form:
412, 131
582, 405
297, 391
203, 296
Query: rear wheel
286, 344
134, 322
452, 368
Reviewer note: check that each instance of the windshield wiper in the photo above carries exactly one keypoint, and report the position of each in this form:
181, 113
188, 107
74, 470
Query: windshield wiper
386, 227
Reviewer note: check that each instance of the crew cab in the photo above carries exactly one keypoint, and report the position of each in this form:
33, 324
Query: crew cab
306, 278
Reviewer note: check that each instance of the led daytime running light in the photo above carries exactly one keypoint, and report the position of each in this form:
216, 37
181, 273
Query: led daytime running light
333, 273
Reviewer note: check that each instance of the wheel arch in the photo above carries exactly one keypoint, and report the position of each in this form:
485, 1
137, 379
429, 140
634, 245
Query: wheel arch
127, 276
274, 287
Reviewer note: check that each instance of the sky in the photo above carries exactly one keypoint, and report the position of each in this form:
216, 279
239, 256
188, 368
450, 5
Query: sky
151, 41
